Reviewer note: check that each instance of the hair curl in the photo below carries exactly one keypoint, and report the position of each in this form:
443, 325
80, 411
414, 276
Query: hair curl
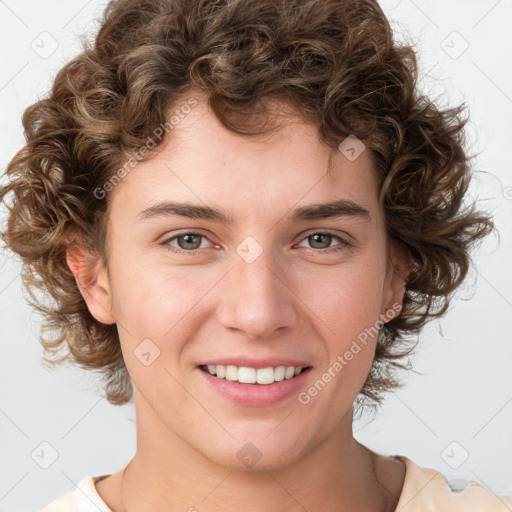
335, 61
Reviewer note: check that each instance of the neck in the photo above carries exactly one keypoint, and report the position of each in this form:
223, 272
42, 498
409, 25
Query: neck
166, 473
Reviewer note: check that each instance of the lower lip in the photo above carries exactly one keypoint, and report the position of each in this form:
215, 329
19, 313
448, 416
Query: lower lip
256, 395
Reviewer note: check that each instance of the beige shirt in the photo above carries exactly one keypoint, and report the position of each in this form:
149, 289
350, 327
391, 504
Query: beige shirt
424, 490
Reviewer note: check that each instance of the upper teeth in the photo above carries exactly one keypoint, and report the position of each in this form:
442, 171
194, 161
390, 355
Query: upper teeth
247, 375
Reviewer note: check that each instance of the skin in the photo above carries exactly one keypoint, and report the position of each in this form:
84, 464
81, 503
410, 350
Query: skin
295, 300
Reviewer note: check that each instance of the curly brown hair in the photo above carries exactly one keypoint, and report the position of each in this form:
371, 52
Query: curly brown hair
336, 62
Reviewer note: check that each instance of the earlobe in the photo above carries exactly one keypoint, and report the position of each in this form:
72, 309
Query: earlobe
92, 281
400, 269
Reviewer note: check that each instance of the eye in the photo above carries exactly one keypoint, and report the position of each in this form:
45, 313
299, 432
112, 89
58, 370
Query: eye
321, 241
188, 242
191, 242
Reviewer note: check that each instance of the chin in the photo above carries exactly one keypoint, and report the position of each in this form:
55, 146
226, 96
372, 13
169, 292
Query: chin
258, 453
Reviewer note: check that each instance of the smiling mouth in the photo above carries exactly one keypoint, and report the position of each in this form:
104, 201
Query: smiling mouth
246, 375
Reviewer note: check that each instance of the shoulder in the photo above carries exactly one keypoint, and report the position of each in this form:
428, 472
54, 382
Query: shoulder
84, 498
428, 489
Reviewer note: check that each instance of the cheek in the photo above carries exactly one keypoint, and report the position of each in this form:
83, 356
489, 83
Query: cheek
347, 309
345, 300
154, 297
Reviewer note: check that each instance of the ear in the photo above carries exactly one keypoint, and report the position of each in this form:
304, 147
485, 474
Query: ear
399, 268
92, 280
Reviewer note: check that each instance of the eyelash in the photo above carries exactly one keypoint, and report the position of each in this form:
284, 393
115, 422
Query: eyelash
343, 245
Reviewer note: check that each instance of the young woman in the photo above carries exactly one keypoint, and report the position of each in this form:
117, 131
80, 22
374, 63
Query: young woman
241, 211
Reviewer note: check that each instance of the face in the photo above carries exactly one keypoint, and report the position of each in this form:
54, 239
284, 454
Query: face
275, 283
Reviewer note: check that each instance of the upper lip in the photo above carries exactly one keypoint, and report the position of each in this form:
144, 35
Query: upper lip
249, 362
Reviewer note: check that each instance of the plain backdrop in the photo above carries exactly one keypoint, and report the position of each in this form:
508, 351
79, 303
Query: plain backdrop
454, 415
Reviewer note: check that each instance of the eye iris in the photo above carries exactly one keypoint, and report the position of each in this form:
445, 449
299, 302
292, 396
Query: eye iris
187, 237
320, 235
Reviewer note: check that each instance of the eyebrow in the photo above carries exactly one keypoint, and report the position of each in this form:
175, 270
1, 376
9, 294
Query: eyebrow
334, 209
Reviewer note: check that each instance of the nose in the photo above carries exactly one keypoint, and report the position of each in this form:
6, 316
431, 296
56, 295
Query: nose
256, 297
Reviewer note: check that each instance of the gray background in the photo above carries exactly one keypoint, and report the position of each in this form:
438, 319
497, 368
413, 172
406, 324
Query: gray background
460, 402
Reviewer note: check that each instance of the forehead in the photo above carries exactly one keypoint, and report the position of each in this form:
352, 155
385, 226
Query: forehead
203, 161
